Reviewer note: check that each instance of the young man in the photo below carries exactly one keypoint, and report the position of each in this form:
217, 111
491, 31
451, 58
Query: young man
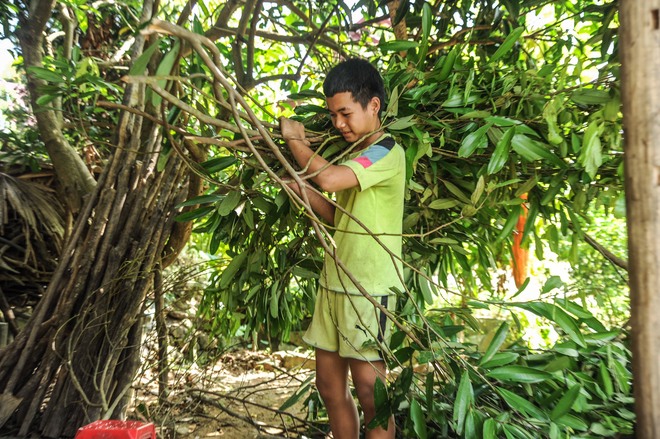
347, 329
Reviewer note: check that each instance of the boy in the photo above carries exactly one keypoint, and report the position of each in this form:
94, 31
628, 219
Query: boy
347, 330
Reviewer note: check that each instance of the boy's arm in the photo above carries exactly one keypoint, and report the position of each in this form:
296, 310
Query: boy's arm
330, 178
320, 204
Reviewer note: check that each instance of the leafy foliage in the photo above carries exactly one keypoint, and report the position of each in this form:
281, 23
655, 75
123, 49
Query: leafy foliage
580, 387
531, 112
491, 100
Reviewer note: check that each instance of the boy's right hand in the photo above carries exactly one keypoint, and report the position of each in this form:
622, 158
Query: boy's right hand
292, 130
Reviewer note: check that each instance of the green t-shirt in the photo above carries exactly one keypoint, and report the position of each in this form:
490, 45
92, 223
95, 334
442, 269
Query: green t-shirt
377, 205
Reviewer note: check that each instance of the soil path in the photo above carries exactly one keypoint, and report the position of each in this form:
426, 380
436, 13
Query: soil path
238, 397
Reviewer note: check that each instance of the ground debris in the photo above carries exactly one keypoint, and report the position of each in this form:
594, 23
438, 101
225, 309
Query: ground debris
238, 396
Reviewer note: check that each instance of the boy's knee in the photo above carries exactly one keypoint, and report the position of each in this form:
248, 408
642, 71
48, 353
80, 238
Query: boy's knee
330, 390
365, 393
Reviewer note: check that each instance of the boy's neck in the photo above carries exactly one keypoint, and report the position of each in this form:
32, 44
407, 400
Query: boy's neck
370, 140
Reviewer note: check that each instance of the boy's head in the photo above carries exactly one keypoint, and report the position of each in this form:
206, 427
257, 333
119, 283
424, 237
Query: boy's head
357, 77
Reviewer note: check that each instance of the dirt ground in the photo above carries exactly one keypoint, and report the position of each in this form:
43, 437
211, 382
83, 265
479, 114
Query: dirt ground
237, 397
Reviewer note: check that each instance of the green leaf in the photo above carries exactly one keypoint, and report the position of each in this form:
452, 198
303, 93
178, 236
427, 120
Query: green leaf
552, 283
605, 380
533, 150
565, 403
451, 187
574, 308
550, 115
302, 390
140, 65
194, 214
555, 188
401, 124
591, 155
443, 203
46, 75
217, 164
230, 271
526, 187
478, 190
519, 374
248, 217
510, 223
473, 141
229, 203
513, 431
427, 289
427, 22
590, 96
496, 342
274, 299
521, 404
508, 43
46, 99
202, 199
555, 314
500, 359
490, 429
573, 422
392, 102
397, 45
417, 416
471, 422
307, 94
501, 153
380, 393
464, 398
622, 377
448, 63
164, 69
500, 121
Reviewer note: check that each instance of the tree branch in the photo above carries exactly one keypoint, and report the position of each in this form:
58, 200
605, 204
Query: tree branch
619, 262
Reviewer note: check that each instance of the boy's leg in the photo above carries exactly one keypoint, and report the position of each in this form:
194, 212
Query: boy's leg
364, 375
332, 383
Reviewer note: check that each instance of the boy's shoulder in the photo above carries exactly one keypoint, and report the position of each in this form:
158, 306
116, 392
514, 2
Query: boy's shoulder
377, 151
386, 141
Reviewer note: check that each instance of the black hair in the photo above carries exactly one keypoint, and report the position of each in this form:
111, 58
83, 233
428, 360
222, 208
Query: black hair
358, 77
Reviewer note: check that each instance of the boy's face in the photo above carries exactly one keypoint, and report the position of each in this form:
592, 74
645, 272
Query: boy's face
350, 119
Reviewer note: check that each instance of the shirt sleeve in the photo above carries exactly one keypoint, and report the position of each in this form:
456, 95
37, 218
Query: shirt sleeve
378, 163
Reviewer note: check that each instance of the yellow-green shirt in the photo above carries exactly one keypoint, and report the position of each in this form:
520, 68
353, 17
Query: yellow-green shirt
377, 206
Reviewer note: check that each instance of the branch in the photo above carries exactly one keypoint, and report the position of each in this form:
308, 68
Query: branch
619, 262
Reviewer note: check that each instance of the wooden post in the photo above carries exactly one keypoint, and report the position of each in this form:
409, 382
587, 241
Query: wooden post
640, 59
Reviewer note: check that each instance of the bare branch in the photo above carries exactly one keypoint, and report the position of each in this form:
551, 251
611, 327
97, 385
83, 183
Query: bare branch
619, 262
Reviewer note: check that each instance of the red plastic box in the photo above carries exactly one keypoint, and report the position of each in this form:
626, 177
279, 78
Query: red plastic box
112, 429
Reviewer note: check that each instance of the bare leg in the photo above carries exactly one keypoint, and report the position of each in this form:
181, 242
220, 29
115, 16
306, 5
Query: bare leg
364, 375
332, 382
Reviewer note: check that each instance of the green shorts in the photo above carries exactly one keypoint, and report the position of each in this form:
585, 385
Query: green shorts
350, 325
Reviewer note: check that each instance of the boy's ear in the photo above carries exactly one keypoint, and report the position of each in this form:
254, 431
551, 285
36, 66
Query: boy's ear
374, 104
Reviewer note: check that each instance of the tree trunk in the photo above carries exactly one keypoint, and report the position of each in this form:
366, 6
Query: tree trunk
75, 179
640, 34
76, 359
